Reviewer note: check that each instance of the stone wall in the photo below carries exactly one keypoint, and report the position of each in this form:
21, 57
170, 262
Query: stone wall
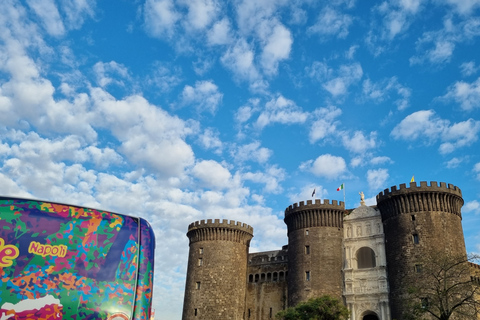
419, 221
315, 235
217, 270
267, 285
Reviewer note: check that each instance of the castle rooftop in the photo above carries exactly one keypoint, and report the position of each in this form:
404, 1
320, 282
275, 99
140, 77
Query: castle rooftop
423, 187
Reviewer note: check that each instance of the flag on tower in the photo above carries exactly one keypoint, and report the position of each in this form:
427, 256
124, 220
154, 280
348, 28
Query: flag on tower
413, 179
340, 188
313, 193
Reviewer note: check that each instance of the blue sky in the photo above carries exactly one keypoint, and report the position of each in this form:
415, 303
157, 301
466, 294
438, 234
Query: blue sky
179, 111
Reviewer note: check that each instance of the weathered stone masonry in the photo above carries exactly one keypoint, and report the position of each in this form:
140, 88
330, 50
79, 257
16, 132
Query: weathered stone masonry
362, 264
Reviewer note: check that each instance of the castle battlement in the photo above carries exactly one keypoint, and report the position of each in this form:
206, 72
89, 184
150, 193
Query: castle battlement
423, 187
314, 205
315, 214
215, 223
365, 267
214, 230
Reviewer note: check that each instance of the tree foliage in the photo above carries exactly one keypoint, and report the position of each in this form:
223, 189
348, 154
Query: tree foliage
323, 308
443, 288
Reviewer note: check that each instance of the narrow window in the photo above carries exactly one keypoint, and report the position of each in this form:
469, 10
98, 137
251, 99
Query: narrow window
415, 239
424, 303
250, 278
307, 249
196, 312
275, 277
200, 250
307, 275
197, 286
306, 232
200, 262
249, 313
413, 217
271, 312
418, 268
257, 277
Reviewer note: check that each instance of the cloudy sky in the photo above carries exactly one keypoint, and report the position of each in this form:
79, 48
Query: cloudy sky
182, 110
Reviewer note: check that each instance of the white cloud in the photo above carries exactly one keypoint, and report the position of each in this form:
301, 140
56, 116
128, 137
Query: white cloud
280, 110
367, 158
209, 139
437, 47
319, 71
272, 177
331, 22
160, 17
252, 152
459, 135
476, 170
350, 54
380, 160
26, 98
472, 206
377, 178
111, 72
146, 132
201, 13
10, 187
47, 11
205, 96
212, 174
426, 125
36, 165
164, 76
453, 163
442, 52
76, 11
381, 91
305, 193
252, 13
464, 7
346, 76
277, 47
422, 123
243, 114
325, 124
465, 94
326, 165
103, 158
469, 68
397, 16
240, 59
358, 142
220, 33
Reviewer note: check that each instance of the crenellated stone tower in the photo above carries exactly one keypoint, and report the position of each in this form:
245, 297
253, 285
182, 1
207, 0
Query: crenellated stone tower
418, 221
365, 266
217, 270
315, 253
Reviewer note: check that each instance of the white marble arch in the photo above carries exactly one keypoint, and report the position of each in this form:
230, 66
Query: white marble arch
366, 289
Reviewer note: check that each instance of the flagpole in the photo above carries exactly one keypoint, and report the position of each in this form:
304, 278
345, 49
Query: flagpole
344, 203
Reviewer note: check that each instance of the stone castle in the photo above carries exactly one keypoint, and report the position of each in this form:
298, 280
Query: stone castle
359, 256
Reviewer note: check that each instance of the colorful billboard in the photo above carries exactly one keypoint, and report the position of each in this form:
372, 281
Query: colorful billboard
65, 262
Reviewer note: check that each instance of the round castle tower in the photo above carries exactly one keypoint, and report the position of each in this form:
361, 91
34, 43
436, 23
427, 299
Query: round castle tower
217, 270
419, 221
315, 234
